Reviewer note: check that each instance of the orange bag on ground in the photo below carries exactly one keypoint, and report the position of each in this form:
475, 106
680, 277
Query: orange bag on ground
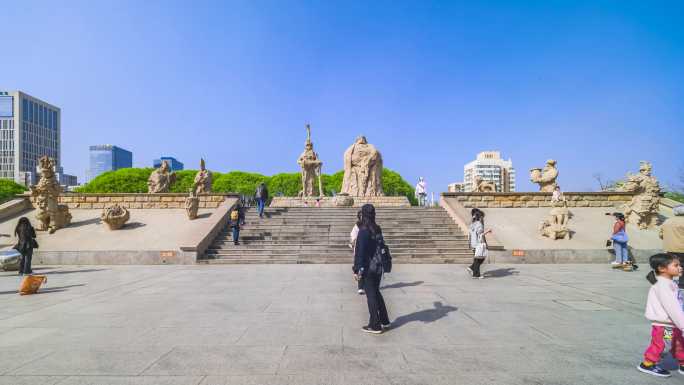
31, 283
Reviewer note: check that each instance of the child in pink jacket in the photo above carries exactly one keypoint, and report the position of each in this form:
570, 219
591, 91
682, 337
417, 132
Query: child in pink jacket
664, 309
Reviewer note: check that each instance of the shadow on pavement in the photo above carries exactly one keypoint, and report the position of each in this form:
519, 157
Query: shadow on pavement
72, 271
499, 273
425, 316
86, 222
132, 225
399, 285
55, 289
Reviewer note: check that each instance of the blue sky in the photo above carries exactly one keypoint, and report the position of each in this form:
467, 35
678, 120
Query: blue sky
596, 85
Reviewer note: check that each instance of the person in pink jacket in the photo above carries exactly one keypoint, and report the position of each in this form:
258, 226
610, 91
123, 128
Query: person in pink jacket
664, 310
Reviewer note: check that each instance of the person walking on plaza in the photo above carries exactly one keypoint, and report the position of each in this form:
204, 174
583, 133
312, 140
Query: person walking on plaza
352, 243
237, 219
261, 196
366, 244
620, 239
478, 243
26, 236
421, 192
664, 310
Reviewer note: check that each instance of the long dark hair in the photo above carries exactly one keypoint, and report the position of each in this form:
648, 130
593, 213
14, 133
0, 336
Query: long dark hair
367, 220
23, 223
657, 261
619, 216
358, 218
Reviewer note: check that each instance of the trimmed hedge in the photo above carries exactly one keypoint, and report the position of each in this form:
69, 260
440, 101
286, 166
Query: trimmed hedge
9, 188
134, 180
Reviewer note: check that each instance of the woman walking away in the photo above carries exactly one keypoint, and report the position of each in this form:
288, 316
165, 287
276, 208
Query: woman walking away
366, 243
620, 239
478, 243
27, 242
352, 244
664, 310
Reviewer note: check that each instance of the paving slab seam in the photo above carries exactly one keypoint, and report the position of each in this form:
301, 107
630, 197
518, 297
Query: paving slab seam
157, 360
29, 362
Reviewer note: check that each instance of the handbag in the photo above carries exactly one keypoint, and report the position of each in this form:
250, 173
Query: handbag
31, 283
34, 243
620, 237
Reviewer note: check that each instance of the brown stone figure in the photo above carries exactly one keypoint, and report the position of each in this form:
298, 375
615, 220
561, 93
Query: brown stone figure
52, 216
556, 226
311, 167
161, 179
203, 179
545, 178
481, 185
362, 170
643, 208
115, 216
192, 204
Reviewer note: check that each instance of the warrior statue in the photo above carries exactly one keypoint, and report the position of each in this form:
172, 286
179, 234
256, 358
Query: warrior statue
52, 216
161, 179
362, 170
311, 167
202, 183
546, 178
643, 209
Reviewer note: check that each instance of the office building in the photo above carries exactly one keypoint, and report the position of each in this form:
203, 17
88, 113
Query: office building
106, 157
174, 165
490, 167
29, 129
456, 187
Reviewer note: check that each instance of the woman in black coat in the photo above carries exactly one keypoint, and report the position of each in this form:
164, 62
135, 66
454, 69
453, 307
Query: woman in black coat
366, 244
27, 242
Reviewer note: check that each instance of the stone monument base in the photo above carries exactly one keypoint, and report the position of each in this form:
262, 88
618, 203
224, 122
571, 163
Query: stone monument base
399, 201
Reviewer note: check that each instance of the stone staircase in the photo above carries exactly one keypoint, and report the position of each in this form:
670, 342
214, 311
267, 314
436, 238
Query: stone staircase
321, 235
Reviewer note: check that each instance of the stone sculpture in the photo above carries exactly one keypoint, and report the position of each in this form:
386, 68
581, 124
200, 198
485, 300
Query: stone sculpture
642, 210
481, 185
52, 216
343, 200
203, 179
115, 216
546, 177
311, 167
192, 204
161, 179
556, 226
362, 170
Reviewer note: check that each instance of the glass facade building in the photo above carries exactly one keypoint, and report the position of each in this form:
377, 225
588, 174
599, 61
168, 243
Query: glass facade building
106, 157
29, 129
174, 164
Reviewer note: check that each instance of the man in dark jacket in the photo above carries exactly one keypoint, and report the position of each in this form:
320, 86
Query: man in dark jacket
261, 196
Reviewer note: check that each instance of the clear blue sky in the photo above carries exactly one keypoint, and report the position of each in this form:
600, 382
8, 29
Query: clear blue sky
596, 85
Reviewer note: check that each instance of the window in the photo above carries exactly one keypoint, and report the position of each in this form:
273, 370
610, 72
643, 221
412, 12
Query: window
6, 106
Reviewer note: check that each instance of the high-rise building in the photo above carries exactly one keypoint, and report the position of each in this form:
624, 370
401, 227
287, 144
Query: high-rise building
106, 157
29, 129
490, 167
174, 165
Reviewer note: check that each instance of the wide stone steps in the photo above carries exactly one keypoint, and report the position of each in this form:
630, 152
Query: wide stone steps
321, 235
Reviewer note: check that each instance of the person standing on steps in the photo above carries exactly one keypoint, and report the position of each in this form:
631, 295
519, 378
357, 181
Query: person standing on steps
261, 196
352, 244
237, 219
421, 192
478, 243
26, 236
366, 245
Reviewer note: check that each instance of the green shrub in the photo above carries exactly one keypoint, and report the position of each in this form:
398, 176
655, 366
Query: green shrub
675, 196
9, 188
244, 183
125, 180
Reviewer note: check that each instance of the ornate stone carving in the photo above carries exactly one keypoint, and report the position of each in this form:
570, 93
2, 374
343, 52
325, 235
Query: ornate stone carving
161, 179
203, 179
311, 167
362, 170
52, 216
481, 185
546, 177
642, 210
115, 216
343, 200
556, 226
192, 204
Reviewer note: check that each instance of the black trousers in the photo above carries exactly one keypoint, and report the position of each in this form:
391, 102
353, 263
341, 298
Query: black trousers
376, 304
475, 267
25, 263
360, 283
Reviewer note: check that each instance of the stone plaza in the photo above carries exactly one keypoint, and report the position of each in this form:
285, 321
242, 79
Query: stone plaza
300, 324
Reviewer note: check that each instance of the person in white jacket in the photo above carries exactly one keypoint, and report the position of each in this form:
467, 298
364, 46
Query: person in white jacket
664, 310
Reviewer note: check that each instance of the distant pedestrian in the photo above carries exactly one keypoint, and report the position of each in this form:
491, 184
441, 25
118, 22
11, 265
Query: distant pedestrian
664, 310
620, 239
478, 243
237, 219
366, 244
557, 195
352, 244
261, 196
26, 236
421, 192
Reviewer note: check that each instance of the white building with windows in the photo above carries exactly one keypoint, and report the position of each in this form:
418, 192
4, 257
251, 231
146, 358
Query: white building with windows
29, 129
490, 167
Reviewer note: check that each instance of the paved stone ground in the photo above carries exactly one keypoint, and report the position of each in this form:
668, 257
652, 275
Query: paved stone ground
299, 324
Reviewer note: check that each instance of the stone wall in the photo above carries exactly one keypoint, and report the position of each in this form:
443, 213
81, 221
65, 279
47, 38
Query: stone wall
539, 199
139, 200
386, 201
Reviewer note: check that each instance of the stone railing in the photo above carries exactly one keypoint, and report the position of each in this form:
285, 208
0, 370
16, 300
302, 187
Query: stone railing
384, 201
139, 200
539, 199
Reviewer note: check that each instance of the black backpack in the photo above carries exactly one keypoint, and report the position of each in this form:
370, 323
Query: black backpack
381, 261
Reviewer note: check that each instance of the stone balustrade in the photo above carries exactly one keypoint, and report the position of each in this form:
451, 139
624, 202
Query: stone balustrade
539, 199
138, 200
383, 201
